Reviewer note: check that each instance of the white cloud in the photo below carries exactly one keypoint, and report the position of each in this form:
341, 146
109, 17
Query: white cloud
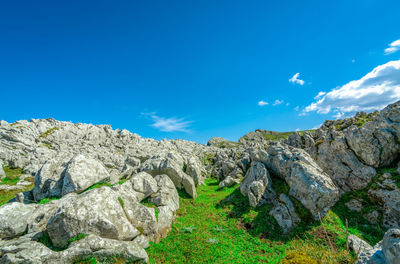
375, 90
171, 124
393, 47
319, 95
287, 104
262, 103
295, 79
296, 108
297, 129
277, 102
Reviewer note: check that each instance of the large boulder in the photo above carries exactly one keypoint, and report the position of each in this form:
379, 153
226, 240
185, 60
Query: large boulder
391, 246
2, 173
139, 186
14, 219
216, 141
167, 194
97, 212
390, 202
257, 185
81, 173
307, 181
62, 175
172, 165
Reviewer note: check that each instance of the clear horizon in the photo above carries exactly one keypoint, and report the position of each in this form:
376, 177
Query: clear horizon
193, 71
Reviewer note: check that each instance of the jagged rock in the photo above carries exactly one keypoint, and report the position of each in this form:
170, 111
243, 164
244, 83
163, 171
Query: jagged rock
140, 186
354, 205
390, 201
193, 170
391, 246
27, 250
167, 194
285, 214
357, 245
97, 211
386, 251
14, 219
81, 173
143, 219
307, 181
171, 165
216, 141
372, 217
2, 173
228, 182
165, 219
49, 179
257, 185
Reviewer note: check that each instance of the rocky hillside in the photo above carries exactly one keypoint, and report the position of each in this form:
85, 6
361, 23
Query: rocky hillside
72, 192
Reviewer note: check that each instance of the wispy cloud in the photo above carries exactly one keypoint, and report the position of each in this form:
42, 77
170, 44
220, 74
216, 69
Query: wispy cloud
262, 103
277, 102
171, 124
295, 79
319, 95
375, 90
393, 47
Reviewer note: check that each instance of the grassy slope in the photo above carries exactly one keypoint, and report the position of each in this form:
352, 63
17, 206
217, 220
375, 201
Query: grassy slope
12, 178
220, 227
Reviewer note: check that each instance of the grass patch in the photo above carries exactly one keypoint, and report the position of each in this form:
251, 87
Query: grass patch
48, 200
77, 238
48, 132
220, 227
97, 185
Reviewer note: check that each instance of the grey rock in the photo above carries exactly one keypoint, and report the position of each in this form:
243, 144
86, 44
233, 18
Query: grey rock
285, 214
391, 246
14, 219
167, 194
81, 173
257, 185
390, 201
216, 141
354, 205
357, 245
97, 212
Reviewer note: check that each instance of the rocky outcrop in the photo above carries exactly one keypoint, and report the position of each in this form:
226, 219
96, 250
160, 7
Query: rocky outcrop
257, 185
386, 251
285, 214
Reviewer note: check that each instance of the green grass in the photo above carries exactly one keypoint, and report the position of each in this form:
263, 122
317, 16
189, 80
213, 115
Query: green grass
12, 178
48, 200
220, 227
48, 132
97, 185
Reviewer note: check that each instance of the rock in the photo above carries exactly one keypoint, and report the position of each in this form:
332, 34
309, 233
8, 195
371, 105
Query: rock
398, 168
357, 245
14, 219
285, 214
228, 182
165, 219
354, 205
81, 173
193, 170
391, 246
27, 252
386, 251
307, 181
372, 217
216, 141
97, 212
171, 165
2, 173
166, 195
49, 179
257, 185
140, 185
390, 201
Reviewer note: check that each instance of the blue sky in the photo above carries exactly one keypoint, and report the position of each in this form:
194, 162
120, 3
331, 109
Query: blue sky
197, 69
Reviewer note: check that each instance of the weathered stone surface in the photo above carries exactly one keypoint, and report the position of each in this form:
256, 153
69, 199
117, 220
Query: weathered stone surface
140, 185
357, 245
354, 205
285, 214
390, 200
167, 194
81, 173
307, 181
2, 173
97, 212
14, 219
216, 141
171, 165
257, 185
391, 246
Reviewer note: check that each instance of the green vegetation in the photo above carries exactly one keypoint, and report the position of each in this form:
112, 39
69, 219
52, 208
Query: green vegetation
12, 178
121, 202
277, 136
229, 144
146, 202
364, 119
47, 145
318, 142
77, 238
48, 200
97, 185
104, 260
48, 132
220, 227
